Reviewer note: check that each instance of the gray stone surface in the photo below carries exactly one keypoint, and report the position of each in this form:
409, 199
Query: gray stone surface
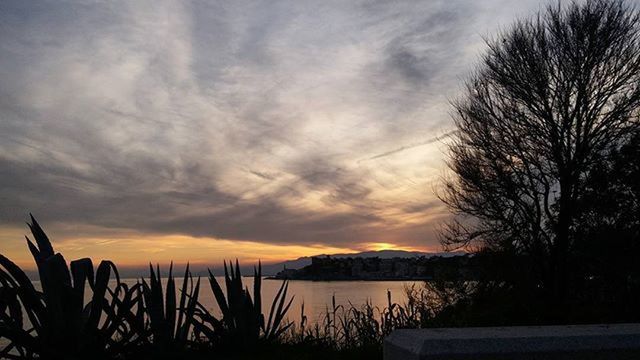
589, 342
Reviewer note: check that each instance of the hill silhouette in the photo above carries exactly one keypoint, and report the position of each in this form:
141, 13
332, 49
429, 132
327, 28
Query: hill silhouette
299, 263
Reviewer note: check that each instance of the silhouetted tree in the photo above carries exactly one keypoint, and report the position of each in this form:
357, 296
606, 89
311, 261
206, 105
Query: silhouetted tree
608, 226
552, 98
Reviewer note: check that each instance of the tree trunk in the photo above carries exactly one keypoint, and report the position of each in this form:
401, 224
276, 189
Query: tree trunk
560, 256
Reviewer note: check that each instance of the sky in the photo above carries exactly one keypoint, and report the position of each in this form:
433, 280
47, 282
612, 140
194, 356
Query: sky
160, 130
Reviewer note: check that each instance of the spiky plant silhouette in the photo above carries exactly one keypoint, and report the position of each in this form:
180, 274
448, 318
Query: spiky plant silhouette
243, 322
117, 320
58, 324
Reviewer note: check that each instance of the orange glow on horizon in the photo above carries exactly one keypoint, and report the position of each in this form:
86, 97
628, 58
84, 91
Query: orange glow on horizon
140, 250
129, 249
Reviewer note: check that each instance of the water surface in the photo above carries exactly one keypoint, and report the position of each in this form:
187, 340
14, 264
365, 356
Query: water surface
316, 295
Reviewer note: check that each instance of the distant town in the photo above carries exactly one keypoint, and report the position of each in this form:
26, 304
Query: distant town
328, 268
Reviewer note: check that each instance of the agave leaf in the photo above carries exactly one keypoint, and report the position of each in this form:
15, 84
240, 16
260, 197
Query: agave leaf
109, 310
226, 273
152, 305
191, 307
205, 316
233, 297
200, 327
100, 288
281, 311
257, 293
273, 307
116, 311
57, 271
180, 334
149, 309
229, 286
29, 297
238, 275
170, 303
114, 268
81, 271
120, 286
56, 286
20, 338
236, 297
44, 245
239, 286
137, 320
34, 252
219, 295
10, 300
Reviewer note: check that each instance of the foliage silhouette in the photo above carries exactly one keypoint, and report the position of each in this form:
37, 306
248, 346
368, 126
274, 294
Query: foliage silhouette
243, 322
150, 320
60, 325
552, 98
169, 333
141, 321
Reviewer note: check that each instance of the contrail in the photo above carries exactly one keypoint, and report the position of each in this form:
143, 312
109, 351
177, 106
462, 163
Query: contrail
414, 145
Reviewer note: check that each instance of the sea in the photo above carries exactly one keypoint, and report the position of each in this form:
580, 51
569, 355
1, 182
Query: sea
317, 296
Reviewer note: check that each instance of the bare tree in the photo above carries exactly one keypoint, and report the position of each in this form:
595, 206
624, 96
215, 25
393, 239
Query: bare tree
551, 97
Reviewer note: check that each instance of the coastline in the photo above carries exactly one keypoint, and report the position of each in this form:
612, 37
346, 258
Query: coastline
351, 279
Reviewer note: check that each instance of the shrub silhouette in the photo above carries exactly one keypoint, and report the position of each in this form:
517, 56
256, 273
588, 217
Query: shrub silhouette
60, 325
120, 320
153, 319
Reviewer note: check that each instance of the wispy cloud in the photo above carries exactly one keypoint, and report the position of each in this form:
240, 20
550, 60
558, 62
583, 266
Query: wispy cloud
413, 146
243, 120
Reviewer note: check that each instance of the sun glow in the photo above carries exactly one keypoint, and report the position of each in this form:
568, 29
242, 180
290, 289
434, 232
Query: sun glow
383, 246
380, 246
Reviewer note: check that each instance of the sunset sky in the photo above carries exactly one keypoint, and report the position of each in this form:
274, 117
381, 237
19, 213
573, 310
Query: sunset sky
144, 131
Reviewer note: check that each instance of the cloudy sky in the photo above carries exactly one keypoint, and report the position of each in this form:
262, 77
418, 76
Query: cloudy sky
202, 130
